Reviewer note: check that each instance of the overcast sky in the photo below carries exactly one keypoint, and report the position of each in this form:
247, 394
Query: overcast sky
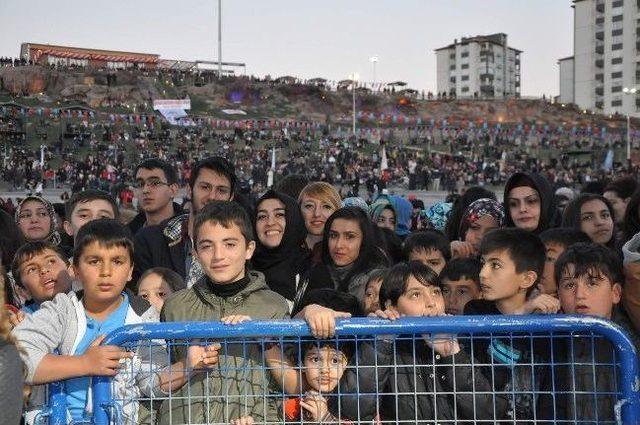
304, 38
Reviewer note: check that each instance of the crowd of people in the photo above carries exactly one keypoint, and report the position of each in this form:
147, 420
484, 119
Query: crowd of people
424, 158
301, 249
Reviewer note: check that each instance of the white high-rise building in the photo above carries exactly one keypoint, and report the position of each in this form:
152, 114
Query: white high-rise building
606, 45
482, 66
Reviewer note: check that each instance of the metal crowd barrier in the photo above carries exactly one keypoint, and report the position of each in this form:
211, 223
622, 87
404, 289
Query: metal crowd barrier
511, 369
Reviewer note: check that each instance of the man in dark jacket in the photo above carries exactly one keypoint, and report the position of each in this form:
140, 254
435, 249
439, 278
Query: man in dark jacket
156, 185
169, 244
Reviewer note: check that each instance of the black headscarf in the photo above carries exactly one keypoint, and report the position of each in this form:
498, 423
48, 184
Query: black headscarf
281, 264
549, 215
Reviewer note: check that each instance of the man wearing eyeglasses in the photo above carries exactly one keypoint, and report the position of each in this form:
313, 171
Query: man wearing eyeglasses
156, 185
169, 244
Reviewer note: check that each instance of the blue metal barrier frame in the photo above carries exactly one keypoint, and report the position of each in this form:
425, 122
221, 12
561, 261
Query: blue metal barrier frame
629, 408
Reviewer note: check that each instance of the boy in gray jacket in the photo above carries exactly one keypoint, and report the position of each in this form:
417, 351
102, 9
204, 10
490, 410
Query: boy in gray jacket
61, 341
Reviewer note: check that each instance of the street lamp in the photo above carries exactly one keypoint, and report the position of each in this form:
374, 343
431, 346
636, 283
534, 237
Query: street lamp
374, 60
629, 91
354, 79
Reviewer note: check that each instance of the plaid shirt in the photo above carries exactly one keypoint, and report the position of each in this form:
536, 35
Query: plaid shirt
177, 230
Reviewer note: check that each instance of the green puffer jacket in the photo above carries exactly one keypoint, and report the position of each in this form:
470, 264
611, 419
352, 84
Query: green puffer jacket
239, 385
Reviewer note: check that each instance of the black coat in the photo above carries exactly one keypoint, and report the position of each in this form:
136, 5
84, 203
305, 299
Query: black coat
140, 219
152, 248
408, 389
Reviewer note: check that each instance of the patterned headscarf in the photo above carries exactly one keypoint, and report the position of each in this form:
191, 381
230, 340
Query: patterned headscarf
479, 208
438, 214
53, 236
355, 201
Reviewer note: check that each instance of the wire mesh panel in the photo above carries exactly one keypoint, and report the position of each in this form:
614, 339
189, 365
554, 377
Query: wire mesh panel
451, 370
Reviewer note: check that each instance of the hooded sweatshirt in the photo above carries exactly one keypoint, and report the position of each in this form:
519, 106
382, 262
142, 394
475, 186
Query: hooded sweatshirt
283, 265
404, 209
549, 215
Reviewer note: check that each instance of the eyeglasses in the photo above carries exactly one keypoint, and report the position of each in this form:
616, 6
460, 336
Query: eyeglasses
152, 183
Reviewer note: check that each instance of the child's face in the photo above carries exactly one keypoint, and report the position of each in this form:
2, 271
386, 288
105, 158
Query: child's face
155, 290
345, 239
45, 275
34, 220
372, 296
593, 293
419, 300
223, 252
548, 283
103, 272
271, 222
457, 293
499, 279
596, 221
432, 258
478, 229
85, 212
323, 368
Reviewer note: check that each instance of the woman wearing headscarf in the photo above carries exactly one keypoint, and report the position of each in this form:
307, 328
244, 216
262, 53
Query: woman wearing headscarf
383, 213
480, 217
280, 234
529, 203
37, 220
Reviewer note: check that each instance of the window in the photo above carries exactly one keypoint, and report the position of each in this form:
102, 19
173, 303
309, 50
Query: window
600, 20
464, 89
464, 55
452, 67
464, 66
452, 56
616, 103
618, 3
616, 61
453, 80
464, 78
616, 32
617, 46
616, 89
617, 18
616, 74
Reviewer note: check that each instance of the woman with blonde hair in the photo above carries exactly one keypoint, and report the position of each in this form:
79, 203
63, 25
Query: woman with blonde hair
11, 368
318, 200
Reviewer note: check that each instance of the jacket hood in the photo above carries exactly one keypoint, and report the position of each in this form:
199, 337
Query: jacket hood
404, 209
549, 215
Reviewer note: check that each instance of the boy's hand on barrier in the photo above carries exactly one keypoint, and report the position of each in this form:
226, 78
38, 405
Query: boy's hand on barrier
322, 320
460, 249
244, 420
202, 357
104, 360
315, 405
543, 303
389, 314
235, 319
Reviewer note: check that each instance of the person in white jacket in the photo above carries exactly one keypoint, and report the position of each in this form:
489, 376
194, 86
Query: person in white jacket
61, 341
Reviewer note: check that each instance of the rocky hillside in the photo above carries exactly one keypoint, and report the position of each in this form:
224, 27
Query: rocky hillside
107, 90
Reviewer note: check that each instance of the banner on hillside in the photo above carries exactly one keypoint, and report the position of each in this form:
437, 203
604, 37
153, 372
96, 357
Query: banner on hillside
173, 110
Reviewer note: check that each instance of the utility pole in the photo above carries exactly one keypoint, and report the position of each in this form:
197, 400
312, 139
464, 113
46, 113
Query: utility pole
219, 38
